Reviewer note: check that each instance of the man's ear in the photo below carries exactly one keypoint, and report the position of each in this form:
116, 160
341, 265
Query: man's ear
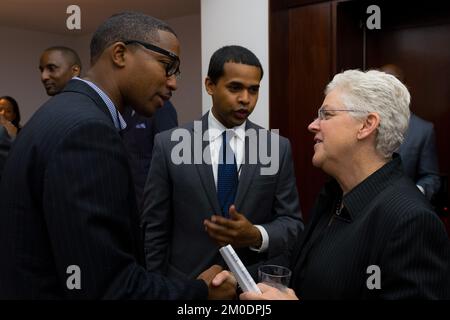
76, 70
117, 54
369, 125
210, 86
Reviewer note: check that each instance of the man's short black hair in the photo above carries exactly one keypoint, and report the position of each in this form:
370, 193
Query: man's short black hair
69, 53
126, 26
15, 105
236, 54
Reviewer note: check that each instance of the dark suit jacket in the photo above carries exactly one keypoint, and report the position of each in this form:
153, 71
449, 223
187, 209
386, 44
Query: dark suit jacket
67, 198
386, 222
419, 155
178, 197
138, 139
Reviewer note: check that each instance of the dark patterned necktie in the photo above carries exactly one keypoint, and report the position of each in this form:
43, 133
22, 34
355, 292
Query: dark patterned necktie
227, 176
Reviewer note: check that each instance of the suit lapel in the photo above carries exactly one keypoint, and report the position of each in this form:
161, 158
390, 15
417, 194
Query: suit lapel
248, 170
205, 170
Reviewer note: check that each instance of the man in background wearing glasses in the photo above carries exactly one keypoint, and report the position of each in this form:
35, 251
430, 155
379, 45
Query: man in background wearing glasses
70, 224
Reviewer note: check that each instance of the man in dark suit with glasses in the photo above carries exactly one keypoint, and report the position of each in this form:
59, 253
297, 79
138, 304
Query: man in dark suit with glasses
70, 224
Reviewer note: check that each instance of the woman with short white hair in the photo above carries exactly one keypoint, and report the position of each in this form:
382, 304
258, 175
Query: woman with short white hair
372, 234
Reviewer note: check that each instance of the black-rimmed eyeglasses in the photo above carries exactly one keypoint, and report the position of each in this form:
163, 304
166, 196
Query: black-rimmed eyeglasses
172, 68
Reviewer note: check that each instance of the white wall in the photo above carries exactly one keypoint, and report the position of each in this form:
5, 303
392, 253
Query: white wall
81, 45
241, 22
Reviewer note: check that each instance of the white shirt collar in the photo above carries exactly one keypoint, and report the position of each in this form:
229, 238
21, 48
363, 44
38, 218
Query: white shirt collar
216, 128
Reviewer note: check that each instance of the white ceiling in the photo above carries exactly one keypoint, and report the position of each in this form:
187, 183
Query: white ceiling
51, 16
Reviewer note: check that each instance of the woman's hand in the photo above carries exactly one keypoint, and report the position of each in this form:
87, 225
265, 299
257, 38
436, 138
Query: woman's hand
10, 128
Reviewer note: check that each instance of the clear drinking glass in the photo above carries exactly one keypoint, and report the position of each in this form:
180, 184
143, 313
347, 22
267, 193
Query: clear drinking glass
275, 276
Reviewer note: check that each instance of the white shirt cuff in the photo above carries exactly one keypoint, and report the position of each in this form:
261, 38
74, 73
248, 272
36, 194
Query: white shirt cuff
420, 188
264, 242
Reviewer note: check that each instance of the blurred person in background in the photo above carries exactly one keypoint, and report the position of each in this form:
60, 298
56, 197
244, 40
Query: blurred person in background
57, 66
9, 126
